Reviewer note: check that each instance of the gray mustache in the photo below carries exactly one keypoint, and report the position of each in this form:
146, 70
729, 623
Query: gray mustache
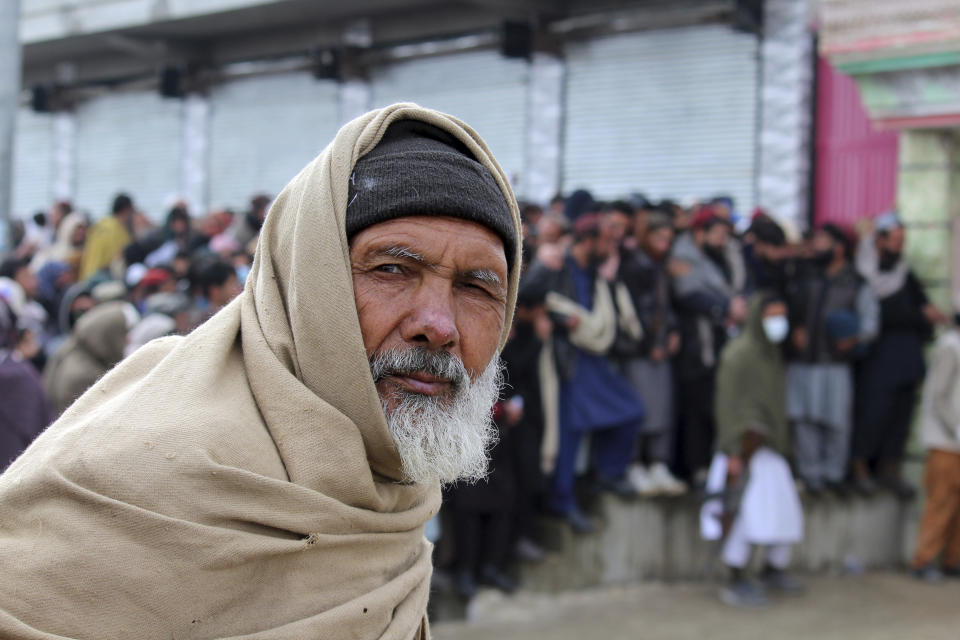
440, 364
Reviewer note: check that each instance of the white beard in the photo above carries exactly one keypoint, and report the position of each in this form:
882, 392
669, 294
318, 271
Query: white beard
442, 439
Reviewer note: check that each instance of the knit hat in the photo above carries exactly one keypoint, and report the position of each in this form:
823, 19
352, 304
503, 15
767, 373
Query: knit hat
418, 170
579, 203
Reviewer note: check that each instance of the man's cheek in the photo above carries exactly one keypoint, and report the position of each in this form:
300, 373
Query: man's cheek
479, 342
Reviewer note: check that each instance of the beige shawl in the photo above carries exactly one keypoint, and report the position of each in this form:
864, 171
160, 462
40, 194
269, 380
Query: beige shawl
240, 482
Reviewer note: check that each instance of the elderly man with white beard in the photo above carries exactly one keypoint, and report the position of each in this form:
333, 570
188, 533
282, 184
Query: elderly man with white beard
270, 474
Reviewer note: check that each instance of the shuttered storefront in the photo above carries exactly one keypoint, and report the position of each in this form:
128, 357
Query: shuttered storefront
263, 131
128, 142
32, 163
670, 113
482, 88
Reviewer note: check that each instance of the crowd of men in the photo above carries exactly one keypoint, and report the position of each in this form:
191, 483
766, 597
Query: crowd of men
657, 349
78, 295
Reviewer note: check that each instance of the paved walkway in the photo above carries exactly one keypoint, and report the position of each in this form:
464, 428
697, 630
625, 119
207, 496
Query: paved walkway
879, 606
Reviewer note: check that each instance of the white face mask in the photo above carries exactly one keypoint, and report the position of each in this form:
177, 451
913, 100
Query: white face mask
776, 328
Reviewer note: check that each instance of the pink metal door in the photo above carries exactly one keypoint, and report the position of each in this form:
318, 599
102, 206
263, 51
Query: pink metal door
856, 165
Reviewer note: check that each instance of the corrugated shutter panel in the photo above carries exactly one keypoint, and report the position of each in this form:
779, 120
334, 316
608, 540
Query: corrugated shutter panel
32, 162
128, 142
482, 88
669, 113
264, 130
856, 166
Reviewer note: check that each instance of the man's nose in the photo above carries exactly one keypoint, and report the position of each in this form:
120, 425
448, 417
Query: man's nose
432, 321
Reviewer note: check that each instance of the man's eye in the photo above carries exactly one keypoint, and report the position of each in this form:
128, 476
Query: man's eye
390, 268
475, 287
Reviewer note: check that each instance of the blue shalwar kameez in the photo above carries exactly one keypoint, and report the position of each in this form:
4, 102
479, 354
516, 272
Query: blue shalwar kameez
594, 399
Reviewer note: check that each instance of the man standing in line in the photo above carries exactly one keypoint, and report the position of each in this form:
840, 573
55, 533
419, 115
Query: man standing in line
583, 393
939, 533
709, 308
270, 474
836, 315
893, 370
648, 365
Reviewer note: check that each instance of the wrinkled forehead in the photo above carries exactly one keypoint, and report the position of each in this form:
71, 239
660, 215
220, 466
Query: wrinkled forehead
435, 241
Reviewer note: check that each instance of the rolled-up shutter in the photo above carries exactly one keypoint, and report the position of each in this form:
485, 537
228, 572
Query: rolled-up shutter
670, 113
128, 142
32, 163
264, 130
482, 88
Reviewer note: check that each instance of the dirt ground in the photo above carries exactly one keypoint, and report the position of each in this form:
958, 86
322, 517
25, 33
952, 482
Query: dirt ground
878, 606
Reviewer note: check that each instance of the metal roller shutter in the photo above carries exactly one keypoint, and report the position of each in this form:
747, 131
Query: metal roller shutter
669, 113
32, 163
128, 142
482, 88
264, 130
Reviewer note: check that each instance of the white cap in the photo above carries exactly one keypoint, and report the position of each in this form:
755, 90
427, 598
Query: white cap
135, 273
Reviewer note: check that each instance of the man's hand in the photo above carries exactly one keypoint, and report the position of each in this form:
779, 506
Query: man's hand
657, 354
513, 411
542, 325
846, 345
734, 469
800, 339
934, 316
608, 270
679, 268
864, 226
573, 322
673, 343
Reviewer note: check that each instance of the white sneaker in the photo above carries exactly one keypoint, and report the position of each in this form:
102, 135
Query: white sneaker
640, 479
663, 482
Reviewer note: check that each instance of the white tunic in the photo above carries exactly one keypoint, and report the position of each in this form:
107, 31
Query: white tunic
770, 511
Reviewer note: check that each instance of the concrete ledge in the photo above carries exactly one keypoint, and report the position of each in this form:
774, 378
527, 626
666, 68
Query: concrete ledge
660, 540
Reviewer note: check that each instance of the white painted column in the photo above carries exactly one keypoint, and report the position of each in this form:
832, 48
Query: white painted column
786, 91
355, 97
193, 153
541, 179
9, 102
64, 155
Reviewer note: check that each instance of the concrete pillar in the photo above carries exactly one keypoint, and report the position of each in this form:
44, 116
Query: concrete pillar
64, 154
928, 199
9, 104
541, 180
355, 96
786, 90
193, 150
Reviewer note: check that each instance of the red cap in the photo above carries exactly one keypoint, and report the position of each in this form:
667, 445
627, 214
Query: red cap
155, 277
705, 215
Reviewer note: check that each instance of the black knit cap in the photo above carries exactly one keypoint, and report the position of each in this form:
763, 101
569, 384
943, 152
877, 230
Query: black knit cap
420, 170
